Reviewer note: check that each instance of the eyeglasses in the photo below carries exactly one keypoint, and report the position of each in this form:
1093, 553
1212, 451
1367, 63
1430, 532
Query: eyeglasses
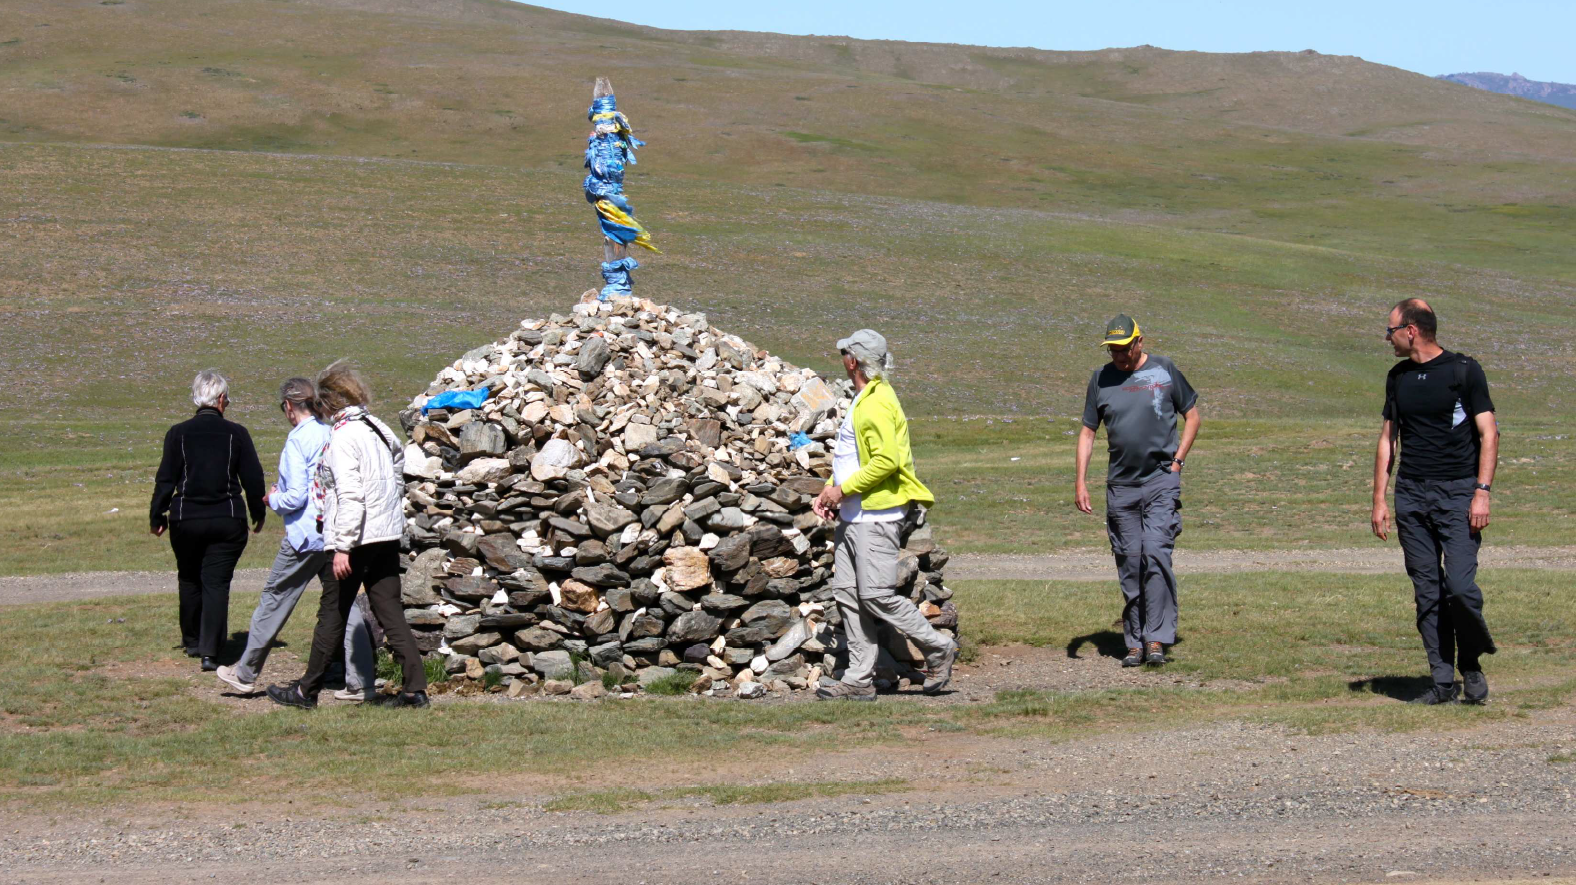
1391, 330
284, 405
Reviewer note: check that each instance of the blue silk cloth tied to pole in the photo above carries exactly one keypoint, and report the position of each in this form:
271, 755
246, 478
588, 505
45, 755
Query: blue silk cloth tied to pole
607, 153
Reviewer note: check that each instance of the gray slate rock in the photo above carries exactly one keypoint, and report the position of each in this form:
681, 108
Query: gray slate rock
693, 627
552, 664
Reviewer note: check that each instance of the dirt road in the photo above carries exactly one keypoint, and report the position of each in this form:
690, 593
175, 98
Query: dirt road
1251, 802
1083, 565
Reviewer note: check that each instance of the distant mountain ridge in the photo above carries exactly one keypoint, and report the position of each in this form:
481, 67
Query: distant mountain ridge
1562, 94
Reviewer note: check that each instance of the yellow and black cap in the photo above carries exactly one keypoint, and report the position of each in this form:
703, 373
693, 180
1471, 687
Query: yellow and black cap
1122, 329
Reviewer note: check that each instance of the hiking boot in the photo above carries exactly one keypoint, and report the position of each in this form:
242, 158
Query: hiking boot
1135, 658
414, 699
1156, 654
291, 696
842, 691
1438, 694
227, 676
940, 672
1476, 685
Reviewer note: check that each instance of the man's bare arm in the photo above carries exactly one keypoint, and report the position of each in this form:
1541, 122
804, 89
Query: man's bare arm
1189, 432
1488, 460
1081, 485
1384, 460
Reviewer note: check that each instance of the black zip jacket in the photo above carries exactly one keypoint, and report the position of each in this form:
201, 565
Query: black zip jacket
207, 463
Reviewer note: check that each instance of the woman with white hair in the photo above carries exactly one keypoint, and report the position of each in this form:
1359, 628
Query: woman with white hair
208, 464
872, 493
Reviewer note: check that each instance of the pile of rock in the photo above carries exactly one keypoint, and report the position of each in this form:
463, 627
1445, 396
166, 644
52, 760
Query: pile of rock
631, 504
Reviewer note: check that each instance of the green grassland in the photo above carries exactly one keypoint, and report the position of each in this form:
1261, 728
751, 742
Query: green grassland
95, 706
266, 185
130, 269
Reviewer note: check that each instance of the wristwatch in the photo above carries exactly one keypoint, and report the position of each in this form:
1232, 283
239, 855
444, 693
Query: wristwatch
1483, 486
1179, 462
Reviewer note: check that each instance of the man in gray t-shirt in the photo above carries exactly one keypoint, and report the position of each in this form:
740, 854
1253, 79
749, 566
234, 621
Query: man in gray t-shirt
1138, 397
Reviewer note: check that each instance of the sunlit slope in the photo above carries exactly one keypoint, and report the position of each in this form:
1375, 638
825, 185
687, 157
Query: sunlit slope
1223, 142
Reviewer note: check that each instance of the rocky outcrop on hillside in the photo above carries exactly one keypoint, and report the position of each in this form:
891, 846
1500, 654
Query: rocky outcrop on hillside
630, 505
1562, 94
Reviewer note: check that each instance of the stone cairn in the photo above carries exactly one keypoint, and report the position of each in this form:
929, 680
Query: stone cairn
630, 506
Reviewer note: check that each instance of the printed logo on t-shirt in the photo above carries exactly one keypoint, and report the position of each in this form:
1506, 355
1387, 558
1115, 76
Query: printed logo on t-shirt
1155, 380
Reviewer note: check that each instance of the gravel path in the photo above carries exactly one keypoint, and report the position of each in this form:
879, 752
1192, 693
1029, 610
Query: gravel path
1245, 801
1079, 565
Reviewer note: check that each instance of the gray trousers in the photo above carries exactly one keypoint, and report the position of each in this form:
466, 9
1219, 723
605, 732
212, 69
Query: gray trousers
287, 580
1432, 521
1144, 522
864, 584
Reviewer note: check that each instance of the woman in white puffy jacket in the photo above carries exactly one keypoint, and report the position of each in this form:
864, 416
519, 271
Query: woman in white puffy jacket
361, 481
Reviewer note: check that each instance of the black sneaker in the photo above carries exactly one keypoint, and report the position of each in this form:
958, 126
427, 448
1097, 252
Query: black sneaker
1476, 687
416, 699
210, 664
1135, 658
291, 696
1437, 695
1156, 654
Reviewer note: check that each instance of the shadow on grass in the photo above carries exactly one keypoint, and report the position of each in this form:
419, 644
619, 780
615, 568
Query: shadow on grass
1401, 688
1107, 644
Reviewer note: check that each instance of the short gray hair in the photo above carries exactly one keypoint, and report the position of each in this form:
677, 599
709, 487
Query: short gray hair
208, 387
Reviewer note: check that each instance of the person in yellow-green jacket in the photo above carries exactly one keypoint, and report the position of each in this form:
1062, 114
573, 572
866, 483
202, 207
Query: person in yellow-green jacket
872, 489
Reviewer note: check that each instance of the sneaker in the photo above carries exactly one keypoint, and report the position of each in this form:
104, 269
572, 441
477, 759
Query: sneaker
1156, 654
291, 696
1135, 658
352, 695
940, 673
210, 664
1476, 685
227, 676
842, 691
417, 699
1437, 695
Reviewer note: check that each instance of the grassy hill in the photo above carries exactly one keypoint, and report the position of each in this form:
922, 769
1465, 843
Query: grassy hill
265, 185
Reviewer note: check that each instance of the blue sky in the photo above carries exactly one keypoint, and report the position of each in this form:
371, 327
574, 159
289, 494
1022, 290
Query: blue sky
1532, 37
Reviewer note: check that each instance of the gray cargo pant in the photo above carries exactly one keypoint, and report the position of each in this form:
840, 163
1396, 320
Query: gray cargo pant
287, 580
1143, 522
864, 583
1432, 521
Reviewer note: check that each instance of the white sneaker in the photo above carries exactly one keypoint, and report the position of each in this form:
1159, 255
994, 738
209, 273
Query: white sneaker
345, 694
227, 676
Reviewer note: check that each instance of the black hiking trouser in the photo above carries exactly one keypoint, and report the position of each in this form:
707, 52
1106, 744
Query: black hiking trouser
375, 566
1432, 521
206, 551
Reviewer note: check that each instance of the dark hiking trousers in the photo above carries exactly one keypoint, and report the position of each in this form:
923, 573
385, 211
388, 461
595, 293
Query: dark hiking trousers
1432, 522
1144, 522
375, 566
206, 551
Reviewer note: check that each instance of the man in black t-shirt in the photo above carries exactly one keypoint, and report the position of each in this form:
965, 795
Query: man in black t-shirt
1139, 397
1437, 403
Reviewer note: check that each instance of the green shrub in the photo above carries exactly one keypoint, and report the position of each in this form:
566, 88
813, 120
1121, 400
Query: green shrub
672, 684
